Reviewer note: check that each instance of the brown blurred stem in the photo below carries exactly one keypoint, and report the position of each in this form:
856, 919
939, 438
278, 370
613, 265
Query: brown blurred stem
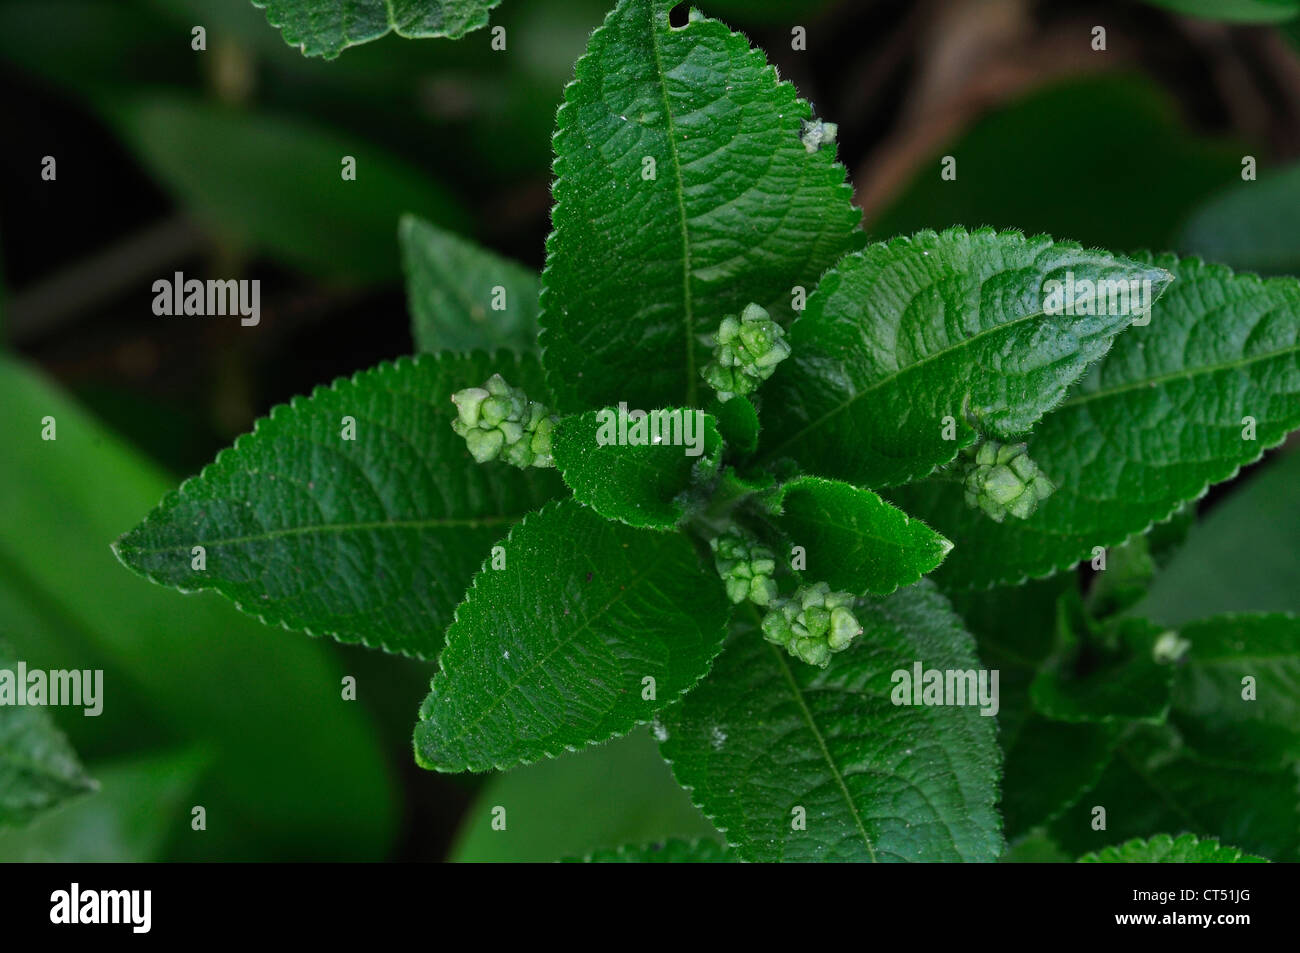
61, 298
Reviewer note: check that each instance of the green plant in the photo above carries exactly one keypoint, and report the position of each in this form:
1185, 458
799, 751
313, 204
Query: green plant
822, 423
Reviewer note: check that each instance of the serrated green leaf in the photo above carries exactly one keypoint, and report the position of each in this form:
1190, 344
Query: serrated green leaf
328, 27
738, 423
369, 540
643, 260
765, 736
1154, 784
908, 336
1241, 227
273, 184
1155, 424
647, 485
1104, 673
853, 539
463, 297
1221, 716
1163, 849
1046, 764
669, 852
619, 792
38, 768
553, 652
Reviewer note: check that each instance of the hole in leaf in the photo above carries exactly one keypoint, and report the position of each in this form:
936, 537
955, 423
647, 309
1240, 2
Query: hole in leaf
679, 15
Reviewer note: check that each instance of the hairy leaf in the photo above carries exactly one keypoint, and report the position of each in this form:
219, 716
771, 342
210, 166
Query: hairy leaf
328, 27
1163, 849
1237, 693
371, 539
463, 297
647, 485
853, 539
683, 192
1161, 419
669, 852
38, 768
738, 423
767, 742
907, 343
590, 629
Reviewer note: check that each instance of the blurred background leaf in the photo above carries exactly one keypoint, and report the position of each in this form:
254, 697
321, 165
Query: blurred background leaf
1252, 226
1104, 161
451, 287
38, 768
142, 807
1235, 11
296, 771
614, 794
274, 184
1244, 556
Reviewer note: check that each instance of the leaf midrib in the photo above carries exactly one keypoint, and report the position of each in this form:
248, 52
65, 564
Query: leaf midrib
907, 546
688, 303
1185, 373
797, 693
513, 686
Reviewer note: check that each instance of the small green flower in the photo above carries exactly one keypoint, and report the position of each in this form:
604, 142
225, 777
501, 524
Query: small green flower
814, 624
746, 351
814, 134
499, 422
1000, 478
1170, 647
746, 568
